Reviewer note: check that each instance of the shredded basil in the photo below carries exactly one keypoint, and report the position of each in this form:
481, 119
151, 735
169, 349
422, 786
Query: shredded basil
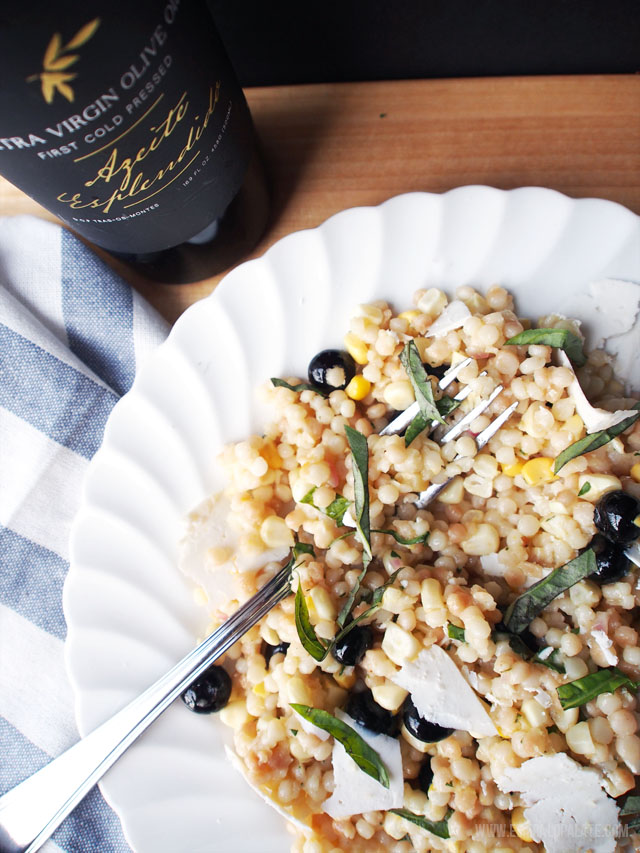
294, 732
415, 540
558, 338
631, 805
335, 510
410, 359
526, 607
593, 441
455, 632
350, 600
301, 548
301, 386
586, 488
306, 632
376, 601
553, 661
583, 690
360, 464
355, 746
446, 405
439, 828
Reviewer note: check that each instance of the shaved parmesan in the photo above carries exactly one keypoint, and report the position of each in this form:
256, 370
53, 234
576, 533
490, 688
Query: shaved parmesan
237, 764
208, 535
594, 419
442, 694
564, 804
491, 565
605, 643
609, 308
452, 317
354, 790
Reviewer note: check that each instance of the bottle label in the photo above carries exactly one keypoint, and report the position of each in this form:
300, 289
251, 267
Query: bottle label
126, 121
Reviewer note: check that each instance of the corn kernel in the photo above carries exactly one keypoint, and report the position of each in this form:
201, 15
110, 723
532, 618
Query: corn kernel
358, 388
356, 348
431, 594
535, 714
234, 715
399, 645
482, 540
388, 695
298, 691
346, 678
409, 316
538, 470
565, 720
274, 532
395, 600
259, 689
598, 485
579, 739
271, 456
322, 604
574, 425
521, 825
399, 394
635, 472
513, 470
454, 492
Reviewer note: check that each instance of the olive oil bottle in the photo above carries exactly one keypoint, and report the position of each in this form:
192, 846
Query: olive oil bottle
126, 120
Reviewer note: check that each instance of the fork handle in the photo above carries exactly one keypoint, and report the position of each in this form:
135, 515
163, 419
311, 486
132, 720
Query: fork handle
30, 812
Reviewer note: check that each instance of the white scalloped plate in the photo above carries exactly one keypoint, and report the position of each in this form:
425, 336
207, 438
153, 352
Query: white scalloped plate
130, 614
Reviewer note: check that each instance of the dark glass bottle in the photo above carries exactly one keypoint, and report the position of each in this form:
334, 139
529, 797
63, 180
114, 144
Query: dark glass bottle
127, 122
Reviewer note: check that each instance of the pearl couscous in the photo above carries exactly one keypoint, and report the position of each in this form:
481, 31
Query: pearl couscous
456, 575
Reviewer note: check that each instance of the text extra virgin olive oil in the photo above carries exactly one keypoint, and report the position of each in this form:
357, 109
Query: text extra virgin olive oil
127, 122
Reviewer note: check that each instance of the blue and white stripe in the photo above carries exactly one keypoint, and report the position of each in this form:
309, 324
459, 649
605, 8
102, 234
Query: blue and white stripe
72, 336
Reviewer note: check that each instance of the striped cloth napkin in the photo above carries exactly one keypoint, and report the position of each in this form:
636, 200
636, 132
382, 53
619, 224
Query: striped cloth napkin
72, 336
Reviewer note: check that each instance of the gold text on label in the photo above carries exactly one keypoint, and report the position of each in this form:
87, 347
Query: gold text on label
132, 181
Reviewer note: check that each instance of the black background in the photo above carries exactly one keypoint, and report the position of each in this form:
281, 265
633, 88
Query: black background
277, 43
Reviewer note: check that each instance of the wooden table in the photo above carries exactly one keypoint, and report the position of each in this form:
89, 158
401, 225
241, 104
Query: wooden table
332, 146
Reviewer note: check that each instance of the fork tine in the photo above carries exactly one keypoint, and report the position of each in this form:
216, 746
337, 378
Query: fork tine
464, 422
432, 491
488, 432
402, 421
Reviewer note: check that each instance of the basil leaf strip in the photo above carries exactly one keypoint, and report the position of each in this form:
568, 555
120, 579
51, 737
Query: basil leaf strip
410, 359
416, 540
455, 632
593, 441
583, 690
350, 600
355, 746
526, 607
301, 386
553, 661
360, 465
558, 338
586, 488
335, 510
376, 600
631, 805
439, 828
417, 425
305, 629
446, 405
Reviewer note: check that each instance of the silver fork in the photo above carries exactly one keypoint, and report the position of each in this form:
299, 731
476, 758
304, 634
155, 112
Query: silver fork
31, 812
